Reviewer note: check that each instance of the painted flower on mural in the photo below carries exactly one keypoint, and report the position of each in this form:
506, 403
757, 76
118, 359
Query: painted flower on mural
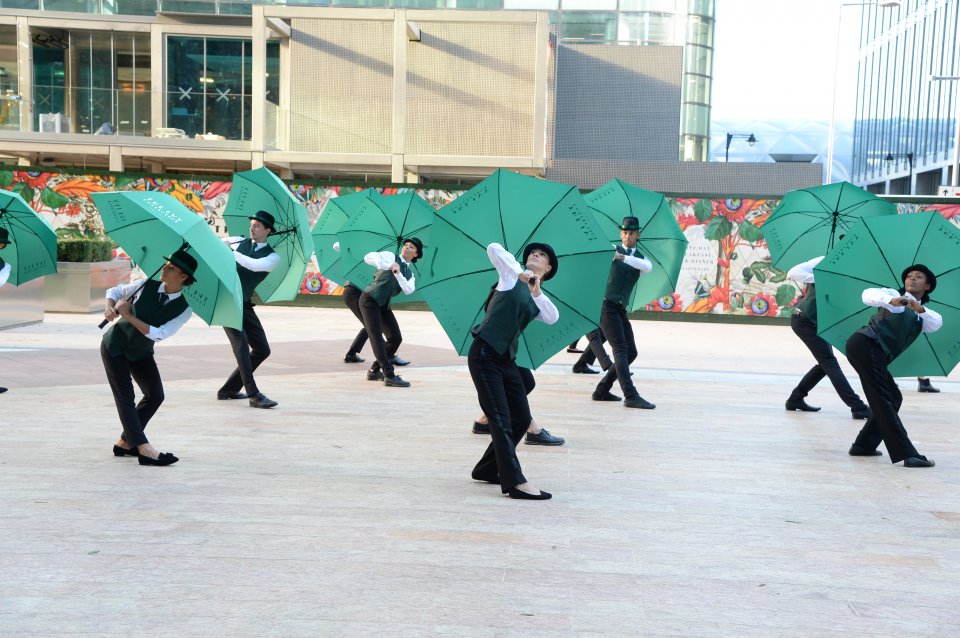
667, 303
315, 284
686, 221
33, 179
71, 210
216, 188
762, 305
950, 211
187, 197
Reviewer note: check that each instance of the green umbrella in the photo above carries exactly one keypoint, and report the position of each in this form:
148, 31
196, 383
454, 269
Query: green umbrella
32, 251
874, 255
382, 223
150, 226
515, 210
335, 214
661, 240
809, 222
260, 189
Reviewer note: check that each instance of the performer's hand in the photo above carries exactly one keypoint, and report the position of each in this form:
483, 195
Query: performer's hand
618, 256
900, 301
395, 268
913, 305
124, 308
110, 313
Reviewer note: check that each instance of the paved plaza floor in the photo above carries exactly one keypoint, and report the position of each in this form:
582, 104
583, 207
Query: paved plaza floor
348, 510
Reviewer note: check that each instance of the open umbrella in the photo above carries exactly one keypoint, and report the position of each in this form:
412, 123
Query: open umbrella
873, 255
260, 189
32, 251
382, 223
151, 226
808, 222
514, 210
335, 214
661, 240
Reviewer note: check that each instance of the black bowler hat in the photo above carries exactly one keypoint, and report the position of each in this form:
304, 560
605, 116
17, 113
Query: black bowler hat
416, 242
185, 262
931, 278
4, 236
630, 223
554, 263
264, 218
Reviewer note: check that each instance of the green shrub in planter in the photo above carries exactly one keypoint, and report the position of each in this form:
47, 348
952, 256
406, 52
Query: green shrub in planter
84, 249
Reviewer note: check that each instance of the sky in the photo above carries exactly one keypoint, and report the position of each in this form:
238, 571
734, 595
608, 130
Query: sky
774, 59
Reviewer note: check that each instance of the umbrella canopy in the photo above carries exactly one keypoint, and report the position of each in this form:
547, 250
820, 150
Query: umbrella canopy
335, 214
258, 190
661, 240
32, 251
808, 222
874, 255
151, 226
515, 210
382, 223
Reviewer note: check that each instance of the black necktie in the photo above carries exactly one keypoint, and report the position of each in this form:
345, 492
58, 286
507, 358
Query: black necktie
164, 298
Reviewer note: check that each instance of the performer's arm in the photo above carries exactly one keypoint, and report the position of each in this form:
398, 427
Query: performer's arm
803, 273
406, 285
4, 274
262, 264
380, 261
155, 333
881, 298
506, 265
548, 311
640, 263
336, 246
930, 319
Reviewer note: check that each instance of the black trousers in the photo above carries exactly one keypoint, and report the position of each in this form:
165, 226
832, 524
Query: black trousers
883, 395
250, 348
595, 351
827, 364
616, 327
351, 298
380, 322
133, 416
503, 399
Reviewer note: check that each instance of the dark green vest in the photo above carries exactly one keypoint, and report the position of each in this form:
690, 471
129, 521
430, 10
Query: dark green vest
808, 303
894, 331
622, 280
508, 313
2, 263
123, 339
249, 279
385, 286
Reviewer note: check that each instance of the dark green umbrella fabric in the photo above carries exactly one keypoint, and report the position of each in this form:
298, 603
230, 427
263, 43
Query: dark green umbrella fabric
32, 251
874, 255
335, 214
382, 223
808, 222
515, 210
661, 240
151, 226
260, 189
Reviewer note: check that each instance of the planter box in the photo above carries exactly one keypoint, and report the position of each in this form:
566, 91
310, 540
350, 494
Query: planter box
82, 287
21, 305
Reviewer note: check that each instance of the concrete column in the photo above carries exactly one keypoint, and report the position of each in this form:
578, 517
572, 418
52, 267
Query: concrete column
258, 75
399, 116
256, 160
396, 169
286, 173
155, 167
116, 158
24, 161
158, 65
538, 151
25, 74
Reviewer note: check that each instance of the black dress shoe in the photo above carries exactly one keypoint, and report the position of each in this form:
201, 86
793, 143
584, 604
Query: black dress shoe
520, 494
123, 451
638, 402
166, 458
801, 405
395, 382
856, 450
397, 361
2, 390
374, 375
222, 395
262, 401
604, 396
543, 438
481, 428
860, 413
574, 350
924, 385
918, 461
584, 369
352, 358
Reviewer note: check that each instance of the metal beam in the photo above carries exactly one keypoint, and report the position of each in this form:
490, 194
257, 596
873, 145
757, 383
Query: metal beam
279, 27
413, 31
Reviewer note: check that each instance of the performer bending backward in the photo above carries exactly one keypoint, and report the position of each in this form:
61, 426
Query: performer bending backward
255, 260
898, 322
804, 324
625, 270
516, 302
4, 268
157, 312
393, 275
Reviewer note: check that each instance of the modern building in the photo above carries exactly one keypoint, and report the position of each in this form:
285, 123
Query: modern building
906, 127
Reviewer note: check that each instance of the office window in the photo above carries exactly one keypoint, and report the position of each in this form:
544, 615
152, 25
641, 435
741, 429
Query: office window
588, 25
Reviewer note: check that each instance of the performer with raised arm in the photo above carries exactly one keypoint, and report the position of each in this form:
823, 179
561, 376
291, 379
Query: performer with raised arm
4, 268
255, 260
156, 312
393, 276
516, 302
804, 324
897, 324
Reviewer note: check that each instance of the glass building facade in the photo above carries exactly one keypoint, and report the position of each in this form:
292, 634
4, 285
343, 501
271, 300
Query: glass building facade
906, 122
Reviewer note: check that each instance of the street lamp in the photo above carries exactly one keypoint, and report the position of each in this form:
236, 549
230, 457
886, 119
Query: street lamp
883, 4
889, 160
751, 140
955, 178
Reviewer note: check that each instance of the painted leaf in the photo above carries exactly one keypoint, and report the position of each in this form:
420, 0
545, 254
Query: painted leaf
6, 178
79, 187
785, 294
703, 209
718, 228
53, 199
750, 232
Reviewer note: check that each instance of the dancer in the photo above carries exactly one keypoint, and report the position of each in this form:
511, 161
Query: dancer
4, 268
594, 352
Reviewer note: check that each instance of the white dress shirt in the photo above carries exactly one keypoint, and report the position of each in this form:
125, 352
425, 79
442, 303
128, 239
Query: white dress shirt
384, 260
4, 274
509, 271
803, 273
156, 333
881, 297
640, 263
262, 264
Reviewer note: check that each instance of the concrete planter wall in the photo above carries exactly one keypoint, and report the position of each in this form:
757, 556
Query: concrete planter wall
82, 287
21, 305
